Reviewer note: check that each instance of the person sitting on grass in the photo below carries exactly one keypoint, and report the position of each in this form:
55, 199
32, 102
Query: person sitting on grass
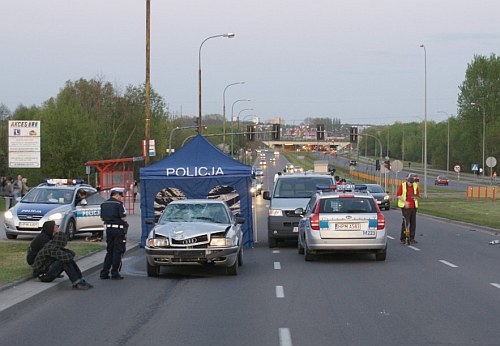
54, 258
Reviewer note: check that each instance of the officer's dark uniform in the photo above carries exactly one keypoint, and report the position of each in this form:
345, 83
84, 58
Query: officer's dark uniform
112, 212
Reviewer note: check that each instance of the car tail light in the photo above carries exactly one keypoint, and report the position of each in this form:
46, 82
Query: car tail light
314, 219
380, 220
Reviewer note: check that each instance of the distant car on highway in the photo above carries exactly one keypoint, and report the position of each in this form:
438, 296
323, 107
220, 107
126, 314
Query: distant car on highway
441, 180
258, 172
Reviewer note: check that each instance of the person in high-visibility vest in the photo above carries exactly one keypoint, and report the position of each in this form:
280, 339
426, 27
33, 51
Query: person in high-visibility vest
408, 195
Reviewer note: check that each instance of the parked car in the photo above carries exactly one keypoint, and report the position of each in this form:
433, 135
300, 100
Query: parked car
382, 197
441, 180
56, 200
342, 221
195, 232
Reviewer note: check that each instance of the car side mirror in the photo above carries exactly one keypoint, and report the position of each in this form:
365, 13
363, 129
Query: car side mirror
299, 211
266, 195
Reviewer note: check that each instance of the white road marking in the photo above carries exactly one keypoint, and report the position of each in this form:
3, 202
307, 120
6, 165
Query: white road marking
495, 284
285, 337
277, 265
448, 263
413, 247
280, 293
276, 251
390, 237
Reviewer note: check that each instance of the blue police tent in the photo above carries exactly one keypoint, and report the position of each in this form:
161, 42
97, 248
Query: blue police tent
198, 170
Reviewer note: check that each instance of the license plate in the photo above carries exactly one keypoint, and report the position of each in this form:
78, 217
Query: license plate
28, 224
379, 202
347, 226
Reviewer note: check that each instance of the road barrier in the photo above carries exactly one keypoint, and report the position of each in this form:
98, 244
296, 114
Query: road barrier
482, 192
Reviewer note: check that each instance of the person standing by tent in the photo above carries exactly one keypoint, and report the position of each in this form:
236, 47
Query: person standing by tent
113, 214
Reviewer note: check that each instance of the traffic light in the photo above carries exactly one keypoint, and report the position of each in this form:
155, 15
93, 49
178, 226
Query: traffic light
251, 133
377, 165
353, 134
320, 132
276, 132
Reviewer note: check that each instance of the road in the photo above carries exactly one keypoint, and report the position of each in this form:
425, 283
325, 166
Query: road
443, 290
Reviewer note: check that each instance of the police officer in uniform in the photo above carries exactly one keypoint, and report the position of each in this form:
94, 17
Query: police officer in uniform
113, 214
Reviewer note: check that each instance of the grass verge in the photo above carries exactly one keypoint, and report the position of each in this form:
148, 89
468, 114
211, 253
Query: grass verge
13, 264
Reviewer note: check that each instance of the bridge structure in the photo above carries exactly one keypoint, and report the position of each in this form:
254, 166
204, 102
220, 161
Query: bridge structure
299, 144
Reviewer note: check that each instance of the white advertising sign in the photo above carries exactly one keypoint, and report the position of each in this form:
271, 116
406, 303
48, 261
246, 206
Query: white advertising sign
24, 144
24, 159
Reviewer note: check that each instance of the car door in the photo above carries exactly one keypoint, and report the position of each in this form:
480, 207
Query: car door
88, 216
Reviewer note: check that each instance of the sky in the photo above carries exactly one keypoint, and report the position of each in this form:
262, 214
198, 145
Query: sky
359, 61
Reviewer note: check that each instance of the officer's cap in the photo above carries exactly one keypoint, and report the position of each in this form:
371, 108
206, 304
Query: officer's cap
117, 190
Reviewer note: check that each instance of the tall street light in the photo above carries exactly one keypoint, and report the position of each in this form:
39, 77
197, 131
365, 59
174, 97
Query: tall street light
224, 111
147, 109
484, 128
425, 120
229, 35
448, 152
232, 117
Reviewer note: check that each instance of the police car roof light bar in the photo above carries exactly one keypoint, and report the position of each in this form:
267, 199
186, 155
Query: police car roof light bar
63, 181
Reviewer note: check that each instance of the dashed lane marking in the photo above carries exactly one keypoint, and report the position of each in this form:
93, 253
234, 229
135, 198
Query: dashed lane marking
280, 293
448, 263
285, 337
276, 251
495, 284
277, 265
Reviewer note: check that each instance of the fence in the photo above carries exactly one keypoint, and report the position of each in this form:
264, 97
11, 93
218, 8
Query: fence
482, 192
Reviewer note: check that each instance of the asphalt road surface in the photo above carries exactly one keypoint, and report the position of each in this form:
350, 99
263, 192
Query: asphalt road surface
443, 290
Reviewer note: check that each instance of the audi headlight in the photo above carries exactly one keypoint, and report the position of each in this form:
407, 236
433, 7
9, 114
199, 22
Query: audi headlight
386, 197
221, 242
157, 242
275, 212
8, 215
56, 216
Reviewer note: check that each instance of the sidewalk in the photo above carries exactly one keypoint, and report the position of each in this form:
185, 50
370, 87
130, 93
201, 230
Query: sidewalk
25, 289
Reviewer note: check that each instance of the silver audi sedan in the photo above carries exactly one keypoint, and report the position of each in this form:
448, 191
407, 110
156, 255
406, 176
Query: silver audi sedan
195, 232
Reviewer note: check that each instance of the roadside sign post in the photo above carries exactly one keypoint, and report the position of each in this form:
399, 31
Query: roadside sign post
457, 169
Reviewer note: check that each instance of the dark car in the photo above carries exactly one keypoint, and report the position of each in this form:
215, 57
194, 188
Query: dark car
441, 180
382, 197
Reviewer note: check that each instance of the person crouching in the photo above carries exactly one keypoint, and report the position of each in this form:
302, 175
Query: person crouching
54, 258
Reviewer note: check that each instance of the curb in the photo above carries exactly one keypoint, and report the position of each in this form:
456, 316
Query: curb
23, 291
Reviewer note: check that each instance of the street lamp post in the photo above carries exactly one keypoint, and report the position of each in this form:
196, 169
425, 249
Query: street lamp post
229, 35
484, 128
448, 151
425, 120
171, 134
232, 117
224, 112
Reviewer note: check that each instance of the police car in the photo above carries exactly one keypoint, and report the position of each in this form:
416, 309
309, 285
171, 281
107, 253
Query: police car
58, 200
343, 218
